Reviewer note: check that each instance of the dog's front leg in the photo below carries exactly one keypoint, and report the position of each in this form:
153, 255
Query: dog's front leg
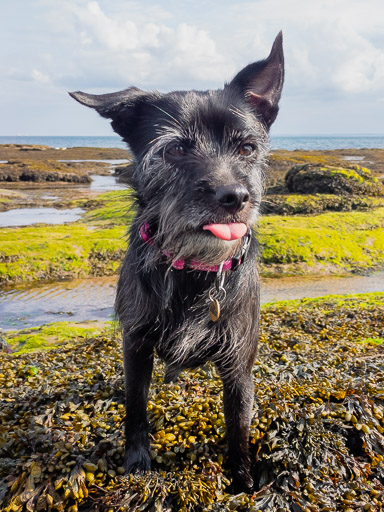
138, 364
238, 400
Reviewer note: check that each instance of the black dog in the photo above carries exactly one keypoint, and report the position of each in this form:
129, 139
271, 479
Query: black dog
199, 167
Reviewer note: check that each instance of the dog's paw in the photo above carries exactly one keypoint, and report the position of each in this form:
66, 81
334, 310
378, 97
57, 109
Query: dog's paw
137, 460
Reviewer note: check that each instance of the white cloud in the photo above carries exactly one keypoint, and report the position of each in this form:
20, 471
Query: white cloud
115, 47
362, 69
104, 31
330, 45
334, 49
40, 77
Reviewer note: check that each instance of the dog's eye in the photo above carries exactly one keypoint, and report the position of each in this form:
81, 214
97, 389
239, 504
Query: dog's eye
176, 151
246, 149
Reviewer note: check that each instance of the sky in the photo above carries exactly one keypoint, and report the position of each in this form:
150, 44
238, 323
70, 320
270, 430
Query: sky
334, 54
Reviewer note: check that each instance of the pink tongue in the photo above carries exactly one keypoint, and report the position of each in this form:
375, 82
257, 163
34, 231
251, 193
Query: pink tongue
227, 231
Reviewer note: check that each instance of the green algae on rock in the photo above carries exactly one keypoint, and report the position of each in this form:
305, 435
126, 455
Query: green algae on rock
317, 433
317, 178
337, 242
113, 208
49, 336
93, 246
57, 252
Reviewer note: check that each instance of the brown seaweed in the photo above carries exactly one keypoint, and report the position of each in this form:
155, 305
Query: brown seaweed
317, 434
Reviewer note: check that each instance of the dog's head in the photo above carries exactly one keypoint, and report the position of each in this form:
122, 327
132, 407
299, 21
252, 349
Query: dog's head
199, 156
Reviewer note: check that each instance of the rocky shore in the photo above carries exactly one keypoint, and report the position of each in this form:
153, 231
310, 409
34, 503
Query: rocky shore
317, 434
322, 214
41, 176
316, 437
280, 161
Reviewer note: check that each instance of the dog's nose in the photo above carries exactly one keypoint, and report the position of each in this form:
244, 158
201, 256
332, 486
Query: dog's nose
232, 197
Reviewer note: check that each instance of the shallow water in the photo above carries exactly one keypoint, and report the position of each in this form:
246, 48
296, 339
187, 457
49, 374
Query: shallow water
75, 300
104, 183
92, 299
37, 204
353, 158
29, 216
287, 288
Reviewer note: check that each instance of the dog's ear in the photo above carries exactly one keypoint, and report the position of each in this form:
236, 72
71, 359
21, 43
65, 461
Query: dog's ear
118, 106
108, 105
261, 83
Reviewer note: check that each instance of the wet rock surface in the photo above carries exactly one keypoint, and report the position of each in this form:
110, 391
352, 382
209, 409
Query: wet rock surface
316, 437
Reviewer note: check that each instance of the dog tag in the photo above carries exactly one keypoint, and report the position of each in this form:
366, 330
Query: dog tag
214, 310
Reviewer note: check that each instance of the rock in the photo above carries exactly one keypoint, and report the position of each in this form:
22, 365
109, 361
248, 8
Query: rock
26, 147
324, 179
313, 204
11, 194
33, 148
125, 173
19, 170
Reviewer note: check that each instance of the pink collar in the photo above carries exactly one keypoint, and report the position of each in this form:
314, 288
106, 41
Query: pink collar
231, 264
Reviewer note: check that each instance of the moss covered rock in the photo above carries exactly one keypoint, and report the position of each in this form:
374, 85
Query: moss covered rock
309, 204
332, 242
322, 179
337, 242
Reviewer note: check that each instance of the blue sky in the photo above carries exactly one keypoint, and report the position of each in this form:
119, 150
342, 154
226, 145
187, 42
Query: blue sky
334, 58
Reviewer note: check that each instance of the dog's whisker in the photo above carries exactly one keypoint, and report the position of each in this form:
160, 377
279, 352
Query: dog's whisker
177, 123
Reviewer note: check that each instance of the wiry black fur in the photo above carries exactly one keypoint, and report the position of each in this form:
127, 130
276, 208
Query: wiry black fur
164, 309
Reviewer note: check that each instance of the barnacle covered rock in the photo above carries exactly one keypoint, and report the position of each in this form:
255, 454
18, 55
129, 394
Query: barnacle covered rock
316, 438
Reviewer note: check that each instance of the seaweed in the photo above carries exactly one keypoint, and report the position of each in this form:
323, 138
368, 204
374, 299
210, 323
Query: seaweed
316, 436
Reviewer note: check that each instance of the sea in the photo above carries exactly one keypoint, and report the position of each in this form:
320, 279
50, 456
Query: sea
288, 142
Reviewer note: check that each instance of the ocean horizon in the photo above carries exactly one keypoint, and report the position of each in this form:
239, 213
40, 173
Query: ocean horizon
287, 142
